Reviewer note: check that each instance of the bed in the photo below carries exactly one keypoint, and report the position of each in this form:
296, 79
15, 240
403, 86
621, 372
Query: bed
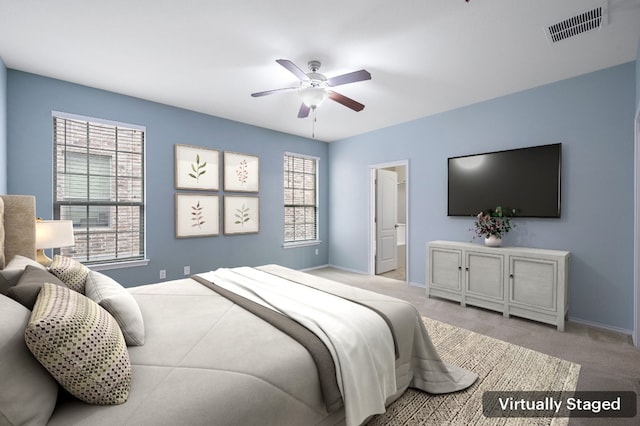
212, 349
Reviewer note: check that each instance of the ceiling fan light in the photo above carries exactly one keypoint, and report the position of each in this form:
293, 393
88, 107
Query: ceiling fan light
313, 96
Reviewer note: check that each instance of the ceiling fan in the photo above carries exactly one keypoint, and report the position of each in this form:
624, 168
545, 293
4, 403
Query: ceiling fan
314, 87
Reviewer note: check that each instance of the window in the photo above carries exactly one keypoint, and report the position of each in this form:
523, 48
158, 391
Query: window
300, 198
99, 185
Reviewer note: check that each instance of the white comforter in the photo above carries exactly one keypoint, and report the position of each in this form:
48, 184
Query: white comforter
359, 339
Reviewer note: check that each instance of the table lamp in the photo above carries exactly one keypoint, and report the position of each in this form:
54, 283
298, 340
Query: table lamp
52, 234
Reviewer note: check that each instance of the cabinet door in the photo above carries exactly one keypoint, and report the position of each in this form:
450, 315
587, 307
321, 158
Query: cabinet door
485, 275
534, 282
445, 267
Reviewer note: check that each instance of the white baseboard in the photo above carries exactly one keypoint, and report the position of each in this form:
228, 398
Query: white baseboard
599, 325
315, 267
355, 271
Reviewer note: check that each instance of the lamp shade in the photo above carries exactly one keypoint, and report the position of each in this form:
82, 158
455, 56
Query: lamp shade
313, 96
54, 234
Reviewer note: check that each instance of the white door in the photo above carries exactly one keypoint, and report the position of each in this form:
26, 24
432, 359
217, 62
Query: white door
386, 221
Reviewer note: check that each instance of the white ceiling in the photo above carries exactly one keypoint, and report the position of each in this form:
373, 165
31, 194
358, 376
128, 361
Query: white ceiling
425, 56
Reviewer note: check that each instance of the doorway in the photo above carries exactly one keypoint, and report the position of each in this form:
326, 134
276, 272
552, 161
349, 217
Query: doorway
389, 218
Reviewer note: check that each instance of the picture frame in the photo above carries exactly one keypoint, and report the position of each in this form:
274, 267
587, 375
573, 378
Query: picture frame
241, 214
196, 168
241, 172
197, 215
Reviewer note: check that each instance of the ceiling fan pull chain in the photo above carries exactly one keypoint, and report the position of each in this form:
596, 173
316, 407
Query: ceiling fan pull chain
313, 125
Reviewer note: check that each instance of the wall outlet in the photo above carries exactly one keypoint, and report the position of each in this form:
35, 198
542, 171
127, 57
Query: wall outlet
187, 270
163, 274
317, 252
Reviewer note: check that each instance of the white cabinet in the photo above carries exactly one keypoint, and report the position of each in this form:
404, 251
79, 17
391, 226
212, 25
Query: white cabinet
528, 283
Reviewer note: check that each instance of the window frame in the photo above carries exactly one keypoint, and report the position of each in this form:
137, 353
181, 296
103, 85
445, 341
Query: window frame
112, 262
306, 242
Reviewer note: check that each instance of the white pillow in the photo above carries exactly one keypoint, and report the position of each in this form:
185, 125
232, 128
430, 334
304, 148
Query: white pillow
29, 392
116, 300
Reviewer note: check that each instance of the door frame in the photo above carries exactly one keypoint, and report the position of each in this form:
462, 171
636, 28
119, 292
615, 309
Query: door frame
372, 214
636, 233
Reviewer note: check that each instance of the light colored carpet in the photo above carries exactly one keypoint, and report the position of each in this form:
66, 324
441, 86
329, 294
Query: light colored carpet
499, 365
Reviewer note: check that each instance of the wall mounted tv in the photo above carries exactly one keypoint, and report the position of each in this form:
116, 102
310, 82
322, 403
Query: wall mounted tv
527, 179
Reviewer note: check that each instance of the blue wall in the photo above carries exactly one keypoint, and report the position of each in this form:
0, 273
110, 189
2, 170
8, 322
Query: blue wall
592, 115
3, 128
31, 99
638, 76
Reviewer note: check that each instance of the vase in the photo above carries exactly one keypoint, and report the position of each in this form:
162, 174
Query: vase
492, 241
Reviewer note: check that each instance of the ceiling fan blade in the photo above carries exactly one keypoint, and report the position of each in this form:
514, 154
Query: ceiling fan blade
269, 92
348, 102
304, 111
293, 68
351, 77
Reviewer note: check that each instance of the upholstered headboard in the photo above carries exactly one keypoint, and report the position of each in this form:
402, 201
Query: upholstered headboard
17, 227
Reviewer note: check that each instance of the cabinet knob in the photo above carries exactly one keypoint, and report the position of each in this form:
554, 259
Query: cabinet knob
511, 276
459, 268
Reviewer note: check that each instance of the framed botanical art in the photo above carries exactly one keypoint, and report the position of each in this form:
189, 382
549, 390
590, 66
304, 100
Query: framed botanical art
196, 168
197, 215
241, 172
241, 214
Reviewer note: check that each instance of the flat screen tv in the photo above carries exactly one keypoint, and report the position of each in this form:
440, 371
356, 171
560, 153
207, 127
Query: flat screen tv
525, 179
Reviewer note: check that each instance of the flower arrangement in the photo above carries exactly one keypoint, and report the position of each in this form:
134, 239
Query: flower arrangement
493, 222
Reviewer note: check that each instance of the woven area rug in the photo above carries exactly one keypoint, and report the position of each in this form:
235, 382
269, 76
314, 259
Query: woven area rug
499, 365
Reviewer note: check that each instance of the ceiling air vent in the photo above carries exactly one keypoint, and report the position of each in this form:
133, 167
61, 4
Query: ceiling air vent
571, 27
